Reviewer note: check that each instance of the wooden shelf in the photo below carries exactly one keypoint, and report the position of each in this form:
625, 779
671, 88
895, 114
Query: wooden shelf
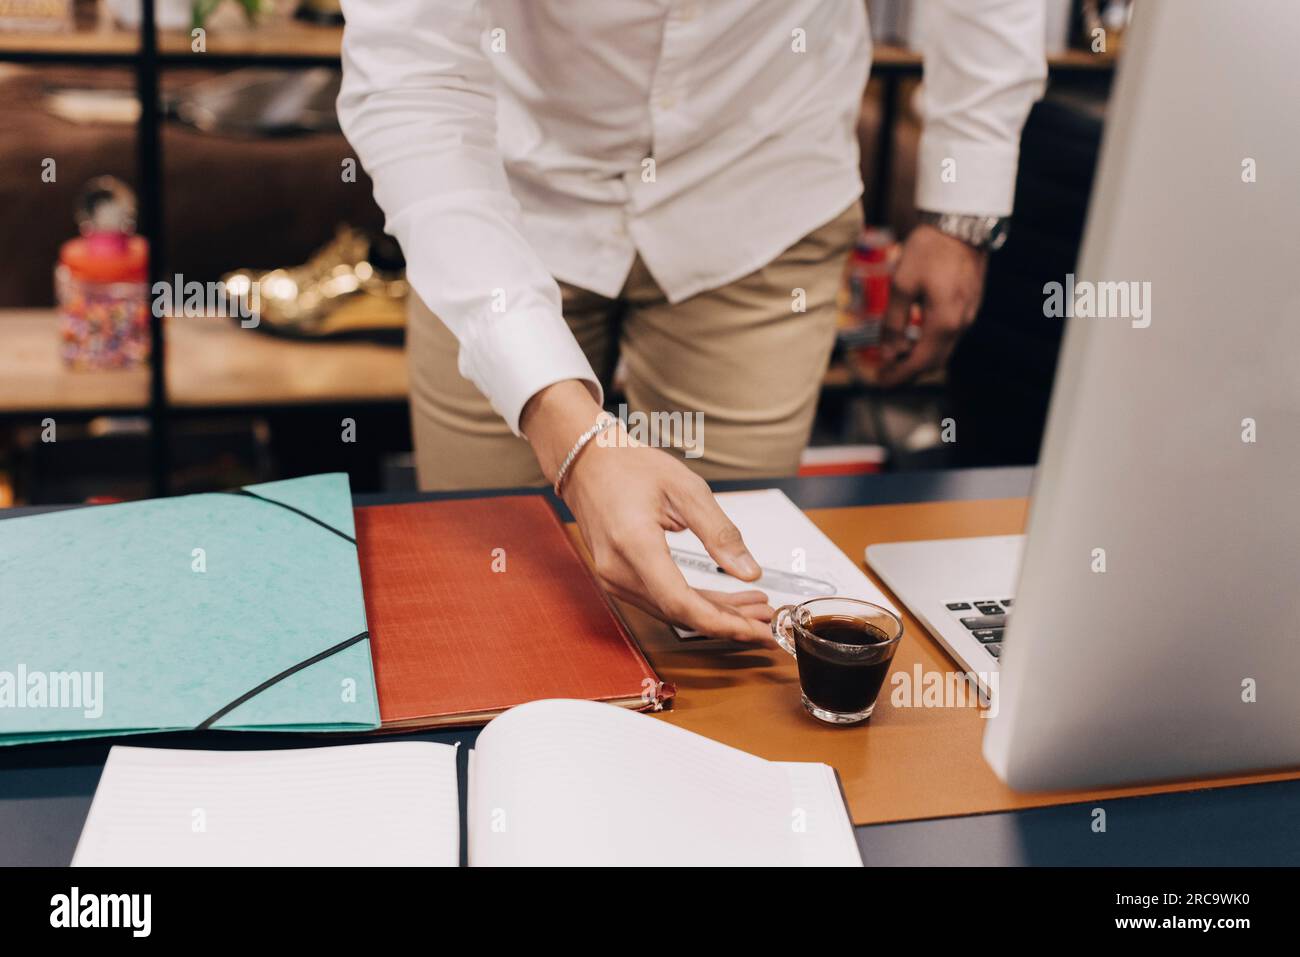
282, 39
34, 380
893, 56
87, 39
211, 364
1082, 60
288, 38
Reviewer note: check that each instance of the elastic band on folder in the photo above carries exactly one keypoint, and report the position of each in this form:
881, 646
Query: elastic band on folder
297, 511
302, 664
280, 677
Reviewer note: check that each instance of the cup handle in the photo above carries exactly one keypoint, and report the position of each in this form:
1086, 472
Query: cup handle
779, 622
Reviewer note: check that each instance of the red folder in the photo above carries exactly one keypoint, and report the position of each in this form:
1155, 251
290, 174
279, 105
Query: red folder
477, 605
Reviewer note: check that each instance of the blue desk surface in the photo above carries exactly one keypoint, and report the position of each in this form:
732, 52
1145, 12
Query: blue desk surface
45, 790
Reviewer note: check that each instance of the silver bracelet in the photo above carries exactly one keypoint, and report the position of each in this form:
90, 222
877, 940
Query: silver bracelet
604, 421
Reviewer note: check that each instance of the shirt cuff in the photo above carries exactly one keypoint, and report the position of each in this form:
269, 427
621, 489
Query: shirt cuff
512, 357
973, 179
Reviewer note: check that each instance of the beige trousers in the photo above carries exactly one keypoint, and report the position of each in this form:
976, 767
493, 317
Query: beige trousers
741, 359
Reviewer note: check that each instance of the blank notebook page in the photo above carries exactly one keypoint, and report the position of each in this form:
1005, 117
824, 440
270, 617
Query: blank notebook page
393, 803
581, 783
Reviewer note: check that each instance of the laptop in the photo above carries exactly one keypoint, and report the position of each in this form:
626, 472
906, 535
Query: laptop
1145, 628
961, 590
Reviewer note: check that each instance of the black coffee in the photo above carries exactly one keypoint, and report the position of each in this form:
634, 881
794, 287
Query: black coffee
841, 681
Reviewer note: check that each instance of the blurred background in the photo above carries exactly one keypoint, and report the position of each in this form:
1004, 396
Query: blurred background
213, 138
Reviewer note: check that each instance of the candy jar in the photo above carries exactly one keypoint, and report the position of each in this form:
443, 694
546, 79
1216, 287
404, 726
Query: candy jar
101, 282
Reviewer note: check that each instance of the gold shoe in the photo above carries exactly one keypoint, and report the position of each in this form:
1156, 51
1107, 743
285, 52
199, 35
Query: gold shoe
350, 287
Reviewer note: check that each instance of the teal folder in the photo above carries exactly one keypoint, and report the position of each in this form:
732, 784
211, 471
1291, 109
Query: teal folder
239, 610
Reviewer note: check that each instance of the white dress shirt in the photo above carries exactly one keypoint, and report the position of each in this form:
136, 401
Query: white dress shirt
515, 142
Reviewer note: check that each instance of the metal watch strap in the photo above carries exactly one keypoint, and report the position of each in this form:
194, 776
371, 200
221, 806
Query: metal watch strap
982, 232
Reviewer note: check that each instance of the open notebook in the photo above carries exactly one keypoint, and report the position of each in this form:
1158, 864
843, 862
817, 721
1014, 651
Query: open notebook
555, 782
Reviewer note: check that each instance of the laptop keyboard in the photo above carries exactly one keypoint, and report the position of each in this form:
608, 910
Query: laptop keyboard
985, 619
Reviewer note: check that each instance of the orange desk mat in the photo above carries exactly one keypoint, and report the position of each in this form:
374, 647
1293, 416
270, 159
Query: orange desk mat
905, 763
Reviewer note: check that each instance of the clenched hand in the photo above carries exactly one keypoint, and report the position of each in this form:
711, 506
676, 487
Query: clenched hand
945, 278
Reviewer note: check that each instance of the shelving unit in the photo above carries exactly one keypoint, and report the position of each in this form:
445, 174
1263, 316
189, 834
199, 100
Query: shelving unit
147, 50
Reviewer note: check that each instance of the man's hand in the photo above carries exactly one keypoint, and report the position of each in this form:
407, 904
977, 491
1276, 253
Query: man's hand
944, 278
624, 498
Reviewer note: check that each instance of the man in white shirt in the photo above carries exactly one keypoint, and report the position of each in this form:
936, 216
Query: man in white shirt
675, 182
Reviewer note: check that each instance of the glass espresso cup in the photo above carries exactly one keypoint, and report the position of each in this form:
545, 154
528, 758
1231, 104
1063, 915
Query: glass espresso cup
844, 648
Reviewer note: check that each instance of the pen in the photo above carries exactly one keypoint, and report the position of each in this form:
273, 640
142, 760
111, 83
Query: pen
915, 320
772, 579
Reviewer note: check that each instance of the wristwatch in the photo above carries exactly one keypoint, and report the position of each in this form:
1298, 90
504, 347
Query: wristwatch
983, 232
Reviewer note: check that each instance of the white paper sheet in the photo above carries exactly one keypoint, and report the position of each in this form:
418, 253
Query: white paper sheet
390, 803
782, 538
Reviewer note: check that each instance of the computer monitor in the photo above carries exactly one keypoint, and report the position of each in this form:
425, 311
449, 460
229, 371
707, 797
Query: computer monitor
1155, 630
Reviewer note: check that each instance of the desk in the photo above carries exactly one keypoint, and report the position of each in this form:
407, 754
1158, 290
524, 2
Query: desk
45, 791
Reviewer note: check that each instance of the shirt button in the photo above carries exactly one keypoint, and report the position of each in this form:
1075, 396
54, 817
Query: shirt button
686, 12
666, 101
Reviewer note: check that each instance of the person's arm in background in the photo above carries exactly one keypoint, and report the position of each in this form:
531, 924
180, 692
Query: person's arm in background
985, 65
418, 105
